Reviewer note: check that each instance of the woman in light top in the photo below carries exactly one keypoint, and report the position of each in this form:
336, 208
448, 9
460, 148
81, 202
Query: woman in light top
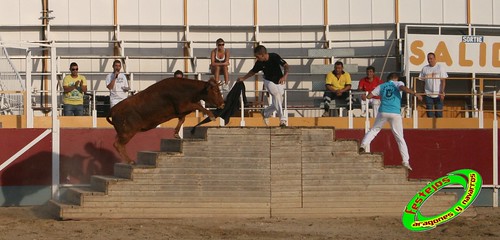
219, 61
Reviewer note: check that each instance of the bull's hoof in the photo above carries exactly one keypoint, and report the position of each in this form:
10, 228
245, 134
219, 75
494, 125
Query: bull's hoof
176, 135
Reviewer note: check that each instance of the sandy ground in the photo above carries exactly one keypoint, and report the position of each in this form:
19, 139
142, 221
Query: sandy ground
34, 223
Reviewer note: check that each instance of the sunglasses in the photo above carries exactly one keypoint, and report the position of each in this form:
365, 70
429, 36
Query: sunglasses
74, 69
220, 44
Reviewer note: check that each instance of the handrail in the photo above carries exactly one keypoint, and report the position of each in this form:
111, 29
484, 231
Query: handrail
474, 94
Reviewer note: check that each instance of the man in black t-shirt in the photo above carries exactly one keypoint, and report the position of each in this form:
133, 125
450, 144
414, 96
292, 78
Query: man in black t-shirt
274, 80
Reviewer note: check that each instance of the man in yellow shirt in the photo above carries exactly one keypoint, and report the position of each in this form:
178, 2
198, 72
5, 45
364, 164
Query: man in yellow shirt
74, 85
337, 84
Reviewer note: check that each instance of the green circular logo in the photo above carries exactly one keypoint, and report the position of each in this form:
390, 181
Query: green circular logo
469, 179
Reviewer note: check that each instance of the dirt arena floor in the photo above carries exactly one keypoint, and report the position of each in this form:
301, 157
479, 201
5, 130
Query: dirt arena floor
35, 223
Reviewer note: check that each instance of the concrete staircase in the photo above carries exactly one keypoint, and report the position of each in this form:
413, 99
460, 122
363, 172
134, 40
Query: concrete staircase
249, 172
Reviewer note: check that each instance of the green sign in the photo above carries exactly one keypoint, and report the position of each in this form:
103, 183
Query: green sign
470, 180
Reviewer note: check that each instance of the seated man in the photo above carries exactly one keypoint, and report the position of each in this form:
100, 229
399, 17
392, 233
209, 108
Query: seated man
367, 84
337, 84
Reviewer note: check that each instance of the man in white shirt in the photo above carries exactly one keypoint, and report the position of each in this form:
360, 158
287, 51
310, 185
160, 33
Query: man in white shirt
117, 84
433, 75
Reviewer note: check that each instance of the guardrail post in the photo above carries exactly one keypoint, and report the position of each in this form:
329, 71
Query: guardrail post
94, 110
495, 151
55, 125
285, 111
29, 103
242, 107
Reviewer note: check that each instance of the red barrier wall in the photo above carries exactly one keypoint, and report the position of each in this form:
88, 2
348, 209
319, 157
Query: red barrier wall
34, 167
86, 152
434, 153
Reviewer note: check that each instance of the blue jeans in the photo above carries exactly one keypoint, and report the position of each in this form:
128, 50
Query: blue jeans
73, 110
434, 104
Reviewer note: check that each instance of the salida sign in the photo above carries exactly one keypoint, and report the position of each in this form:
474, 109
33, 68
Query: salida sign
470, 54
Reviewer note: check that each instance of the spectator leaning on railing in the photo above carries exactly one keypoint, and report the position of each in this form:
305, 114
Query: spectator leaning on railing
433, 75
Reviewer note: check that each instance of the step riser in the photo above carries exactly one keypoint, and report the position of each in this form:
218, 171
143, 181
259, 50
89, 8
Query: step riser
171, 145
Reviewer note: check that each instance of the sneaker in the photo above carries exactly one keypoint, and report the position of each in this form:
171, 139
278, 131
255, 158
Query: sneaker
225, 87
326, 114
283, 123
407, 165
266, 119
362, 149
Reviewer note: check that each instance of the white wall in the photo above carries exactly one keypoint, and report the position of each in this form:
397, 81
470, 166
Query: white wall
232, 20
485, 12
360, 11
19, 12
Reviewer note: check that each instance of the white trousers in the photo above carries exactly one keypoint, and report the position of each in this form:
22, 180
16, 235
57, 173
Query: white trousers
375, 103
276, 91
396, 122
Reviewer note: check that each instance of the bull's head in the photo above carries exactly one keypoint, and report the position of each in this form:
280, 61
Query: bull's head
214, 96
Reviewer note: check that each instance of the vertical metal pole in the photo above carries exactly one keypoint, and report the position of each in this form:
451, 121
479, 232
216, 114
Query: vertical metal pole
481, 113
367, 120
415, 109
94, 110
495, 151
285, 111
349, 112
55, 125
29, 107
242, 104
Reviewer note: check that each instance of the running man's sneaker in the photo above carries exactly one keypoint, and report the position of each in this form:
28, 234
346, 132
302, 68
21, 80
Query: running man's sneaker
266, 119
326, 114
362, 149
407, 166
283, 123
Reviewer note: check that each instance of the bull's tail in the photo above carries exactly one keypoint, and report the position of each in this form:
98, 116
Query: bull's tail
108, 118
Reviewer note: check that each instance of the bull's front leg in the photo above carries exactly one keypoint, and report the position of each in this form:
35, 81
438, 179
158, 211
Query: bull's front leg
178, 127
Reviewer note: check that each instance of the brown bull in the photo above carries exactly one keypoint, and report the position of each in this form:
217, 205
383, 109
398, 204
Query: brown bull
167, 99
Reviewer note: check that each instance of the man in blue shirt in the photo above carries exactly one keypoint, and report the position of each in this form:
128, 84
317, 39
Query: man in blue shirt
390, 110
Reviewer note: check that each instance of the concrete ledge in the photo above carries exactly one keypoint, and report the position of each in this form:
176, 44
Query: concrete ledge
324, 69
335, 52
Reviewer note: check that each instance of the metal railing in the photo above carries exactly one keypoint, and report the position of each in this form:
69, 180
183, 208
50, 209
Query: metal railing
476, 95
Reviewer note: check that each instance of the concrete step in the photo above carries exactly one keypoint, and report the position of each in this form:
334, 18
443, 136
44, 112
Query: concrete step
180, 204
162, 184
127, 171
102, 183
242, 186
191, 192
200, 133
181, 199
171, 145
159, 212
76, 195
151, 157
